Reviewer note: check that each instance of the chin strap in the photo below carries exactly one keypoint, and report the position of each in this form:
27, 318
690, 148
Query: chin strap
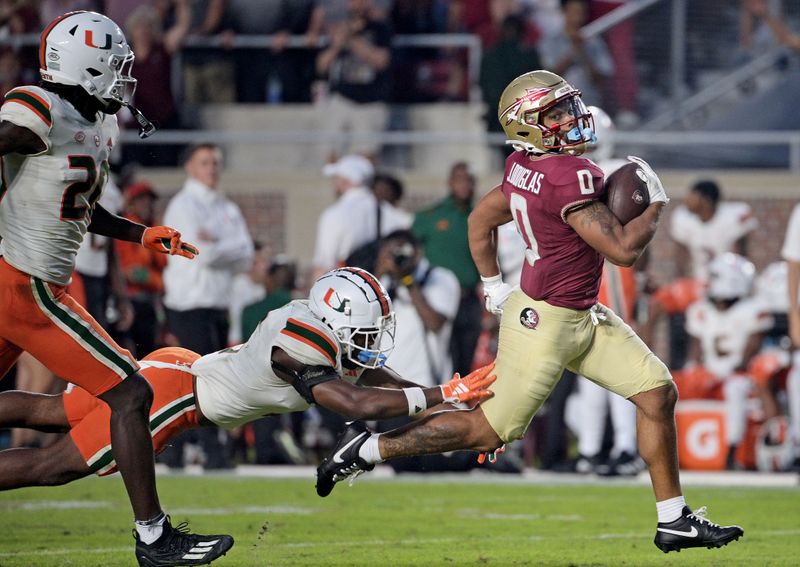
146, 128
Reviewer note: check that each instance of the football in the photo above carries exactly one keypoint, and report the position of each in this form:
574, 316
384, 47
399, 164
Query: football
626, 193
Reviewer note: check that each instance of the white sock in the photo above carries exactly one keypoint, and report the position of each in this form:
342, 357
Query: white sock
369, 451
150, 530
670, 510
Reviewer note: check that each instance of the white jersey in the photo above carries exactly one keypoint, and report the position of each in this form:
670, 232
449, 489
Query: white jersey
237, 385
723, 335
46, 199
706, 240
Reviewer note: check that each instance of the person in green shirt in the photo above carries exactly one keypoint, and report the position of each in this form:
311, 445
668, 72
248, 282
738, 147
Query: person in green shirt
281, 276
442, 230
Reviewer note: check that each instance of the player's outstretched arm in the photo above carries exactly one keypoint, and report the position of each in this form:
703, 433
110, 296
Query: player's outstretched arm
622, 245
358, 402
490, 212
162, 239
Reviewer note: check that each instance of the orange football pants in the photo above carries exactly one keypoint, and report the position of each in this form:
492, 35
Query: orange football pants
44, 320
173, 410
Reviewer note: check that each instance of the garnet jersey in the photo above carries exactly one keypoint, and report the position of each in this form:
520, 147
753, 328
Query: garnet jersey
46, 199
237, 385
723, 334
560, 267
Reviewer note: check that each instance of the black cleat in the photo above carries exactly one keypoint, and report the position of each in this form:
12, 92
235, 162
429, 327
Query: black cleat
177, 546
692, 529
344, 462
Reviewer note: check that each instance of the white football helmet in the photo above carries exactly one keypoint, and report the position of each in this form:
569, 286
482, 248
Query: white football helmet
88, 49
356, 307
730, 276
602, 149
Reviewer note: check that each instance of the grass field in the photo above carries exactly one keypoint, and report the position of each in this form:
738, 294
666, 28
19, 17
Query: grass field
395, 522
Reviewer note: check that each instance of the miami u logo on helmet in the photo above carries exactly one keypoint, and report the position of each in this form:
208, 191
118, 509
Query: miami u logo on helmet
343, 306
89, 39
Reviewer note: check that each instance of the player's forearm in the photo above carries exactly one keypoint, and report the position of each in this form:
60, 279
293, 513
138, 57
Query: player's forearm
113, 226
638, 233
483, 247
378, 403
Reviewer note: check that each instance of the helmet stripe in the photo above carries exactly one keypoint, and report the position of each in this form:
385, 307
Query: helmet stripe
374, 284
46, 32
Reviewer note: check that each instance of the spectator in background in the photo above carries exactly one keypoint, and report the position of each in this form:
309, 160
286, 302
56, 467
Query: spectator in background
425, 300
355, 65
143, 269
791, 253
509, 58
442, 232
247, 287
389, 189
281, 276
154, 48
485, 19
208, 73
356, 219
197, 297
585, 64
619, 39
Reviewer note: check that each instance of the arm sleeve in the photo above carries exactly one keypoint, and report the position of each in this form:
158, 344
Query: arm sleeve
29, 107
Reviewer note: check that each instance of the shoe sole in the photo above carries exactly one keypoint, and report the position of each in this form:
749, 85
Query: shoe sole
666, 547
144, 562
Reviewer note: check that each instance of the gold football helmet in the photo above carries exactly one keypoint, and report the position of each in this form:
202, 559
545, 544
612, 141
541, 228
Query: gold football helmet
527, 99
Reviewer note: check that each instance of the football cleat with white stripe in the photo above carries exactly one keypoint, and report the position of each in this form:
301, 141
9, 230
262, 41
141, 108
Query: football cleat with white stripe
693, 529
177, 546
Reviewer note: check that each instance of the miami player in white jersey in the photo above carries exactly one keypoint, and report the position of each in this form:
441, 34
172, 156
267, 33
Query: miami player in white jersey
55, 141
323, 350
727, 327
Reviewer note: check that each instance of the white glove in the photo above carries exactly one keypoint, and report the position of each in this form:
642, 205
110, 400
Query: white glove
495, 293
654, 186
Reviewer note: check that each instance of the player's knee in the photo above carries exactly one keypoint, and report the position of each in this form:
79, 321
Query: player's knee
658, 403
481, 435
133, 395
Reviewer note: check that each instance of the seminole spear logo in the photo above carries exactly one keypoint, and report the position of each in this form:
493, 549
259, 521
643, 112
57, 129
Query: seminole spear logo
342, 304
531, 95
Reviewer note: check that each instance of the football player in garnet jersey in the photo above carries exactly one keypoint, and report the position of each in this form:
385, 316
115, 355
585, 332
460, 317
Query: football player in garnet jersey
55, 141
554, 321
317, 351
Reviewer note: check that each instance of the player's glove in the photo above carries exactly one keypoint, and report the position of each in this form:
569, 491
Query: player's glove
495, 293
654, 186
470, 387
491, 455
167, 240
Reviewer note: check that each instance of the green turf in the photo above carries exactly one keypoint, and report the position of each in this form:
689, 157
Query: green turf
395, 523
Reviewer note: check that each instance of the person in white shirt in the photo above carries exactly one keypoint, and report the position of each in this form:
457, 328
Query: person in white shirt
791, 253
197, 296
426, 300
353, 220
705, 226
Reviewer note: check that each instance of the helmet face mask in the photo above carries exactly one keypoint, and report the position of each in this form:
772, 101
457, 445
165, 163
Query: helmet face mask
356, 307
89, 50
541, 113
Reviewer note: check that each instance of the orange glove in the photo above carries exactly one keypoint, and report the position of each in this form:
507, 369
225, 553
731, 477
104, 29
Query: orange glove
492, 455
167, 240
470, 387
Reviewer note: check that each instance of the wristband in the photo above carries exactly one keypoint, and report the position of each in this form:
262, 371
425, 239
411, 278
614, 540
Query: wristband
492, 281
416, 400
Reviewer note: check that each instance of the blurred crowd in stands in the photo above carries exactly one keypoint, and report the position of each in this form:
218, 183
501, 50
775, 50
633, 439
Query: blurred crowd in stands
727, 328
